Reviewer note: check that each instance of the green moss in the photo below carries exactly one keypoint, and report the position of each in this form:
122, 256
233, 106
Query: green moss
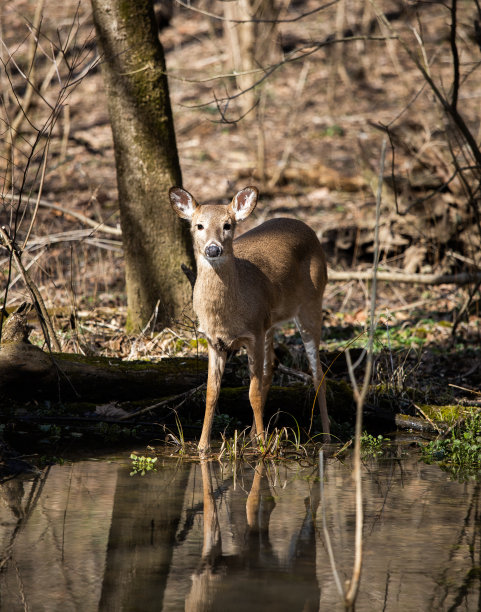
445, 414
189, 365
230, 393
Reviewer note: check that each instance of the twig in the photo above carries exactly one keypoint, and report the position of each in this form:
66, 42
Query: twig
307, 378
73, 236
360, 396
44, 318
27, 267
464, 389
98, 226
448, 107
29, 90
182, 396
433, 424
153, 319
297, 54
239, 21
40, 188
455, 55
292, 120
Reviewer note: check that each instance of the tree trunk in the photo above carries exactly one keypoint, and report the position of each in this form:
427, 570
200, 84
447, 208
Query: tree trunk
155, 242
252, 42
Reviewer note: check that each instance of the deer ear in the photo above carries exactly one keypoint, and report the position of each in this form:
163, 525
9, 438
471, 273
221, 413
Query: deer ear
244, 203
182, 202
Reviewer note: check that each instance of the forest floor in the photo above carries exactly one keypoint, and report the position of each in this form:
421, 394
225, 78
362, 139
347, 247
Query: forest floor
313, 146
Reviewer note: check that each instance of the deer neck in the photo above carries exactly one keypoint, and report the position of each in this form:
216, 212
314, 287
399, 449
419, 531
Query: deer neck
216, 295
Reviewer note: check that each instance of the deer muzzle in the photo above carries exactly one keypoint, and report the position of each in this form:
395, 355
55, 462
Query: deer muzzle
212, 251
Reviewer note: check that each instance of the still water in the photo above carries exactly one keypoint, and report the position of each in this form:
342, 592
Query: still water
199, 537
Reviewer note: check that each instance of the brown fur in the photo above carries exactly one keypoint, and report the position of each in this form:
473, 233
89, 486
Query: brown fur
273, 273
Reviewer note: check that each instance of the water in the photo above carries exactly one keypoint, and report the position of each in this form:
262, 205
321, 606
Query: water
88, 536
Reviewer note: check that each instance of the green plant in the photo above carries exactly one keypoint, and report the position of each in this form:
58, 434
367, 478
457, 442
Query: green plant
142, 464
461, 452
177, 439
235, 448
372, 445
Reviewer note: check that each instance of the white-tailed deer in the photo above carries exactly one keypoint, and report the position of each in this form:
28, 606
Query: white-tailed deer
272, 273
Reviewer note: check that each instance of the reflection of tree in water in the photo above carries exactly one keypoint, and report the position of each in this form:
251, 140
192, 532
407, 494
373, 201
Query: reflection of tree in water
12, 497
221, 579
467, 539
145, 518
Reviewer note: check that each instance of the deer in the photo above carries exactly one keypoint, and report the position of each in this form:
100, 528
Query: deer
245, 286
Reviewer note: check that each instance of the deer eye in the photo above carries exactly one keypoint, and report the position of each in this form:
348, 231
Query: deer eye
227, 226
200, 226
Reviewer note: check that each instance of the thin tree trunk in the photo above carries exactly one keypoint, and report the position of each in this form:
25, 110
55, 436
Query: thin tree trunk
252, 43
155, 242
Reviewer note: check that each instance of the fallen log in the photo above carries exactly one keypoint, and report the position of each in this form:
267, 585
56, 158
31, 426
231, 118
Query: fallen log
27, 372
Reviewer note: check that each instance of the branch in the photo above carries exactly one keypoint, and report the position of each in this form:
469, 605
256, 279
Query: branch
455, 54
449, 108
44, 318
360, 396
98, 226
182, 396
463, 278
228, 20
294, 56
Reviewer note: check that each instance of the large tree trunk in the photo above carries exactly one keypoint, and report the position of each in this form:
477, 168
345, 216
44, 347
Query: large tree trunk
155, 242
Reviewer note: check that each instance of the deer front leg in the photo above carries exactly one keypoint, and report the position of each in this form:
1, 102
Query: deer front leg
217, 361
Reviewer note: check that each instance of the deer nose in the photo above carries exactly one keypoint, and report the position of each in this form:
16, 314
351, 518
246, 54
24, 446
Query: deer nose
213, 250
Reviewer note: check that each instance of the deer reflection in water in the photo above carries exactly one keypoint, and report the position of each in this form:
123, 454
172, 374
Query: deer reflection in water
222, 579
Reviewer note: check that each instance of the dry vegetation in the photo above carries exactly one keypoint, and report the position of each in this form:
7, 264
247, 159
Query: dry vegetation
312, 144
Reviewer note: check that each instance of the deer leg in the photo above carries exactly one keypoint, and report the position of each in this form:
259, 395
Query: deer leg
256, 371
212, 546
311, 337
217, 361
268, 371
269, 357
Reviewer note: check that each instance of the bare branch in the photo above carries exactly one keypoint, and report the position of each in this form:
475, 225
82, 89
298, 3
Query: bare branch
463, 278
98, 226
297, 54
43, 316
229, 20
360, 396
455, 55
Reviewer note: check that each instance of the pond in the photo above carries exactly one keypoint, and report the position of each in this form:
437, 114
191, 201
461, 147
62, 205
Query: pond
88, 536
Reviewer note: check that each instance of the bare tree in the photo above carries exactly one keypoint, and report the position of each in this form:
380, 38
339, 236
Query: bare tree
251, 29
155, 241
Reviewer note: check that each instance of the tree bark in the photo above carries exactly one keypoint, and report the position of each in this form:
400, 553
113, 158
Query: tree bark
155, 241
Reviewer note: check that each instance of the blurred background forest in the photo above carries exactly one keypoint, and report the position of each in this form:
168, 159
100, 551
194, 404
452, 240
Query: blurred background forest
320, 87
